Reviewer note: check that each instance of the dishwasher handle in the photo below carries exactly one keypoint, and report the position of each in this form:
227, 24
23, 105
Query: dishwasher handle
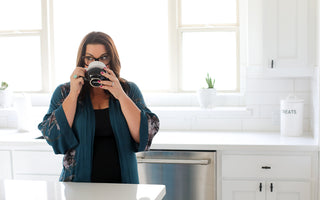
173, 161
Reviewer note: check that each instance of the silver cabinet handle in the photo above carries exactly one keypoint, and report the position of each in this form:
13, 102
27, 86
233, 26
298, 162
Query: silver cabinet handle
173, 161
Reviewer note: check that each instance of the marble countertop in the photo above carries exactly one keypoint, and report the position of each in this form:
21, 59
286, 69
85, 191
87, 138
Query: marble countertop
185, 140
40, 190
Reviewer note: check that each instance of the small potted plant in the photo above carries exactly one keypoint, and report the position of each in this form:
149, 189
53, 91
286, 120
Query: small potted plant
206, 96
5, 95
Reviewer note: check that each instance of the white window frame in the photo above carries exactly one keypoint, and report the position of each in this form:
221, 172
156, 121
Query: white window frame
187, 99
43, 33
176, 29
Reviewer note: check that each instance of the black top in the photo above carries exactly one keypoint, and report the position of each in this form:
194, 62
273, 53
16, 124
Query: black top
105, 164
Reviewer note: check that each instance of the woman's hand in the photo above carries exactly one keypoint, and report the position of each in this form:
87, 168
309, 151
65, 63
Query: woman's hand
76, 80
113, 84
129, 109
69, 105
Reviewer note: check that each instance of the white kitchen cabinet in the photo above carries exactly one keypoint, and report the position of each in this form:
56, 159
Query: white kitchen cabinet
243, 190
285, 30
5, 166
36, 165
288, 190
264, 176
266, 190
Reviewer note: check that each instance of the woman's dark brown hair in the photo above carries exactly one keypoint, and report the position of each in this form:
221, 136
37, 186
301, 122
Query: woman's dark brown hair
115, 66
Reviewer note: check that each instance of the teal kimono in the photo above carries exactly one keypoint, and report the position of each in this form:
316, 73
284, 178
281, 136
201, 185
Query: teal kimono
76, 143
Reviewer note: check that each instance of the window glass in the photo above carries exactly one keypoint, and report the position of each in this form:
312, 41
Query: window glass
208, 11
20, 14
138, 28
209, 52
20, 62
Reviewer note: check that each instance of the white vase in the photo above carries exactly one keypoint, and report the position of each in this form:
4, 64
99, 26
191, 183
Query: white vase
207, 97
5, 98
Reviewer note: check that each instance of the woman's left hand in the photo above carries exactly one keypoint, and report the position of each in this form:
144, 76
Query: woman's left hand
113, 84
129, 109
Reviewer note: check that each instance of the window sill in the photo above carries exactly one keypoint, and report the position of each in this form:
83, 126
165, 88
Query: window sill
221, 112
191, 99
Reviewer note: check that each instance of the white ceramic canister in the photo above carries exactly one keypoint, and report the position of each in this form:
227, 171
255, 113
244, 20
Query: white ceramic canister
22, 104
291, 116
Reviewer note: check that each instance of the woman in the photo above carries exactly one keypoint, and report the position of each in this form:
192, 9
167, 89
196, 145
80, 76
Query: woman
99, 129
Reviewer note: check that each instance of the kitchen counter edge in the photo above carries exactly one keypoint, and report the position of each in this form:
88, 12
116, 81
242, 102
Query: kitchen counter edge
184, 140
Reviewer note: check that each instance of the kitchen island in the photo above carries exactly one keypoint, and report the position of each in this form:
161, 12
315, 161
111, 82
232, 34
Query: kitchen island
41, 190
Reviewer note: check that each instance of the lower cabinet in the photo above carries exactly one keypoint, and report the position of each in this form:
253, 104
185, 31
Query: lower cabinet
36, 165
268, 176
30, 165
266, 190
5, 165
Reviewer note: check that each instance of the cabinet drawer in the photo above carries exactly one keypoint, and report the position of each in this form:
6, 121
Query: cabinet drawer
266, 166
36, 163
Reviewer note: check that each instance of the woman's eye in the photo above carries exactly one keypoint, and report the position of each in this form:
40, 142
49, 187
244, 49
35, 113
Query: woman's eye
104, 58
90, 58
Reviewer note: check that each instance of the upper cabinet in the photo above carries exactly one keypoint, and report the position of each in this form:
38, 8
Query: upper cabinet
282, 35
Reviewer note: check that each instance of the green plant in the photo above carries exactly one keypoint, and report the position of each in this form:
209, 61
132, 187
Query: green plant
209, 81
3, 86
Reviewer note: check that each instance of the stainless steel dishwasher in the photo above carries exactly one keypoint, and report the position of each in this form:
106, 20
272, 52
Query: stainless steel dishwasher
187, 175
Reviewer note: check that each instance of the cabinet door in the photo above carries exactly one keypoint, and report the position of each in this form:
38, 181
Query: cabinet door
243, 190
36, 165
5, 166
285, 190
285, 36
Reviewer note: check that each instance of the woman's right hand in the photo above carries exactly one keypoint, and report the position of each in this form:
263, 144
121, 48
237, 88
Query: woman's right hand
76, 80
69, 105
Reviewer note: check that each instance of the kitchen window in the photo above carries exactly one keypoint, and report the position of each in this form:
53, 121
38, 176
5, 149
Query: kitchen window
164, 46
139, 29
23, 44
208, 32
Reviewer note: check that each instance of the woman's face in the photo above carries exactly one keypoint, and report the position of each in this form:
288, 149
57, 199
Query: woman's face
96, 52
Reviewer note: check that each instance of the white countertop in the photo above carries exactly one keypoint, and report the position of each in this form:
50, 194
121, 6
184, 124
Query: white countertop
205, 140
185, 140
12, 139
40, 190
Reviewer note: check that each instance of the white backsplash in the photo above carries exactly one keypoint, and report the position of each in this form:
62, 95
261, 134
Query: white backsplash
257, 109
8, 118
261, 108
